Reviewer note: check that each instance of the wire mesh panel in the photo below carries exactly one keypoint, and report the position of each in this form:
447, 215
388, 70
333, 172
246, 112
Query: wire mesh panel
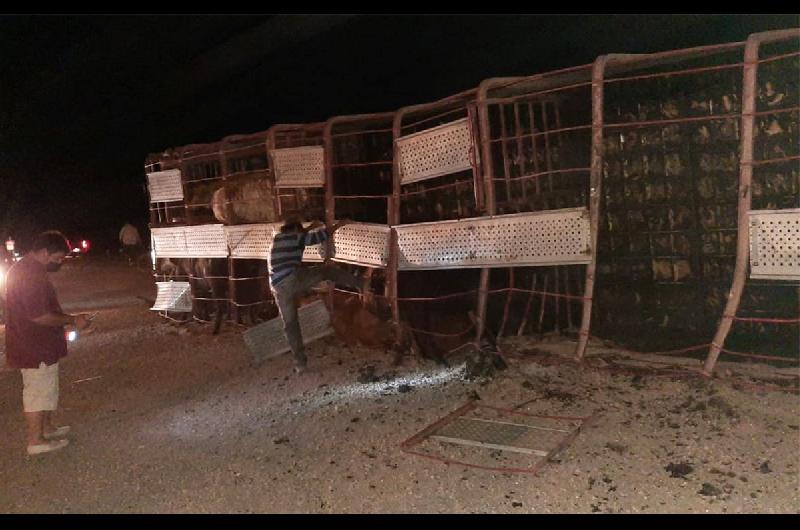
206, 241
558, 237
165, 186
434, 152
299, 167
775, 244
173, 296
362, 244
268, 339
169, 242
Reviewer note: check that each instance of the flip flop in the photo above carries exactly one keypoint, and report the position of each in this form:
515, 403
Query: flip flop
58, 433
46, 448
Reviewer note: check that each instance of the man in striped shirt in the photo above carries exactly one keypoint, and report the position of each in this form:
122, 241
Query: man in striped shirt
289, 280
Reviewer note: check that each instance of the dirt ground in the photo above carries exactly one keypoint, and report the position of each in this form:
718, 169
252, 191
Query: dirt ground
172, 419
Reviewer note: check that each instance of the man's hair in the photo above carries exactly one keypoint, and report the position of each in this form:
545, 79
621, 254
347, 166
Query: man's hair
293, 222
52, 240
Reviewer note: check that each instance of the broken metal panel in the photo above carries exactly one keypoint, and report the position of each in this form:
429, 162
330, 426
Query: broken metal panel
173, 296
268, 339
434, 152
558, 237
299, 167
502, 429
362, 244
165, 186
775, 244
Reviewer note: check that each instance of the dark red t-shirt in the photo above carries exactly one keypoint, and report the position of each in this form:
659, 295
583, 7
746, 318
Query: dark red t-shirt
29, 294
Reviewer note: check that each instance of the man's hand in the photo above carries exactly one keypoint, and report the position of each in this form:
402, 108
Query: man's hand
314, 225
82, 321
337, 225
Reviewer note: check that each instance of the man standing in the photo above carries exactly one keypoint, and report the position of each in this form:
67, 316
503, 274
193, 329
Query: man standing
288, 280
35, 337
131, 241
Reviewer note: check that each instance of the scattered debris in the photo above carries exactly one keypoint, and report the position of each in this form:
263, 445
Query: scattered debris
617, 448
764, 467
679, 470
709, 490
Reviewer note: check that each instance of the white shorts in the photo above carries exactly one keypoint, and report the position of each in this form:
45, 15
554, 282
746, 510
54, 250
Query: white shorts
40, 388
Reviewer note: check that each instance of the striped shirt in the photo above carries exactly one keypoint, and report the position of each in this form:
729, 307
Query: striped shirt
287, 252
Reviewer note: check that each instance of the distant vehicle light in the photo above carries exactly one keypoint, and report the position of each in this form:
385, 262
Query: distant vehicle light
76, 249
72, 336
85, 245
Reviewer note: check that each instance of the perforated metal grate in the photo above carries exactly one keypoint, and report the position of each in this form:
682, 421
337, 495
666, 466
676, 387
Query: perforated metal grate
775, 244
299, 167
165, 186
255, 242
251, 241
362, 244
268, 340
169, 242
206, 241
173, 296
434, 152
553, 237
203, 241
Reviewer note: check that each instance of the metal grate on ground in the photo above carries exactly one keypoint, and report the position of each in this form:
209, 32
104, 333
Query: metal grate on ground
544, 439
268, 339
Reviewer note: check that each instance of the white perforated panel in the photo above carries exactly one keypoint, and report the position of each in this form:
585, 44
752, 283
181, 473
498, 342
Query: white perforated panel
438, 151
268, 339
206, 241
251, 241
553, 237
299, 167
173, 296
362, 244
165, 186
169, 242
255, 242
775, 244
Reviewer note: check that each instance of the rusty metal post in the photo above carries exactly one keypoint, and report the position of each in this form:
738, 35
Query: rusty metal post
487, 175
595, 190
392, 271
749, 92
330, 203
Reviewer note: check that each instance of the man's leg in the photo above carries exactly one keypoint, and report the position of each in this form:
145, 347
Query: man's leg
39, 399
314, 275
286, 297
34, 421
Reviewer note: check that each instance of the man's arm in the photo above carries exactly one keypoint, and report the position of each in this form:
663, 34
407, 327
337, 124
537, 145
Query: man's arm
57, 320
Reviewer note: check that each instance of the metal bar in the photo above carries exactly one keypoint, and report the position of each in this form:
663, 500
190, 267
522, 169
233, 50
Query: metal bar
749, 93
675, 72
595, 191
473, 443
508, 302
504, 149
532, 117
549, 132
544, 301
520, 150
547, 156
524, 322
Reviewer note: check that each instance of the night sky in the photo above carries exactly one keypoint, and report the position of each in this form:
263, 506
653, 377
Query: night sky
83, 99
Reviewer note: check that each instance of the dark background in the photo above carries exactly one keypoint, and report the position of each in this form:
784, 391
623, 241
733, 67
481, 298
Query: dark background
83, 99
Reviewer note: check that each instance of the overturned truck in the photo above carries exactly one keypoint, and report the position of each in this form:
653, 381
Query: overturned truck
652, 200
